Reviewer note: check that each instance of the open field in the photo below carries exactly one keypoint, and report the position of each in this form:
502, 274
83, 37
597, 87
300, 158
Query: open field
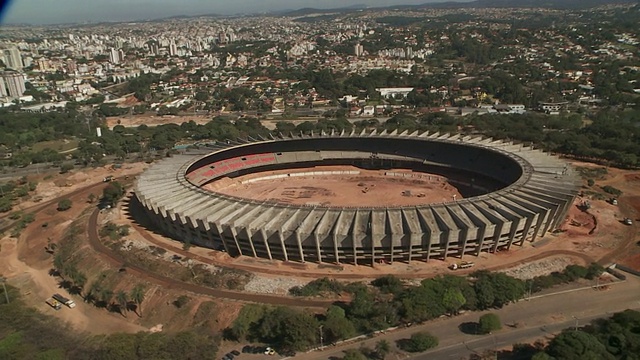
359, 188
57, 145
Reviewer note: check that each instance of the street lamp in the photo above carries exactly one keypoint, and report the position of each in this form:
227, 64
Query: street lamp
321, 339
576, 322
4, 287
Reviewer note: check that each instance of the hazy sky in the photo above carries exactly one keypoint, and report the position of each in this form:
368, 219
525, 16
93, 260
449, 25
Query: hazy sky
65, 11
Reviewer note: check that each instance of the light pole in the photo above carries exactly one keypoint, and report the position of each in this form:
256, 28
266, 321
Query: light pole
576, 328
4, 287
321, 339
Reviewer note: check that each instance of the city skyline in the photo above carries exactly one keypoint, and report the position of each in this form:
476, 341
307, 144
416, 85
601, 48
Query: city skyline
79, 11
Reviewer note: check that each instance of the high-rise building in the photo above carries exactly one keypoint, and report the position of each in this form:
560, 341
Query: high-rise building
12, 58
3, 89
359, 49
14, 82
173, 49
114, 57
222, 37
121, 55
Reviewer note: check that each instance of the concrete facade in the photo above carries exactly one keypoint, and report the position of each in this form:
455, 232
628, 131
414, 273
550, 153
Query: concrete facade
526, 193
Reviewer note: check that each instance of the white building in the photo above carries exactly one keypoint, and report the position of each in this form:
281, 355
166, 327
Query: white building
14, 83
12, 58
394, 92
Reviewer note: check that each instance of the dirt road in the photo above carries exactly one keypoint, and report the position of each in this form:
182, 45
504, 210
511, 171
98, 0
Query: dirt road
132, 269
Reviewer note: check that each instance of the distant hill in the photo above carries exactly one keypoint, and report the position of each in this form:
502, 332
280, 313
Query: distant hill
550, 4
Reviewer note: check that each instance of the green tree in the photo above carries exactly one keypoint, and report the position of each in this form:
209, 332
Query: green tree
337, 326
249, 316
289, 329
112, 193
382, 348
65, 168
489, 323
137, 296
577, 345
353, 354
64, 204
123, 300
453, 300
418, 342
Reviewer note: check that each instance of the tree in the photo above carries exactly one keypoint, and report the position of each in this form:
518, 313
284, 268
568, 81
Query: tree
112, 193
489, 323
577, 345
453, 300
419, 342
64, 205
65, 168
353, 354
382, 348
336, 325
137, 295
91, 198
123, 301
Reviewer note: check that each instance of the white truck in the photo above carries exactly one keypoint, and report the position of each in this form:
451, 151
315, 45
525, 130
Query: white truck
461, 265
64, 300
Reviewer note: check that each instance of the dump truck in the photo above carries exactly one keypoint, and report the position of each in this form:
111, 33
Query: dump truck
64, 300
53, 303
461, 265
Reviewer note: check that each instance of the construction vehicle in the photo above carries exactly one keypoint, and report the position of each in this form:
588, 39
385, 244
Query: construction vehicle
63, 300
461, 265
53, 303
108, 178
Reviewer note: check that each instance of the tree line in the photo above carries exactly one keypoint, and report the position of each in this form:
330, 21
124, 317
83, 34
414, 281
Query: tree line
26, 333
387, 302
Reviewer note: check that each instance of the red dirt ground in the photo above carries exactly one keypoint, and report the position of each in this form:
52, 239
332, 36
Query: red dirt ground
368, 188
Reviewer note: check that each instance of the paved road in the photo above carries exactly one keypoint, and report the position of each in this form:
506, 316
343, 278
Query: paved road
553, 312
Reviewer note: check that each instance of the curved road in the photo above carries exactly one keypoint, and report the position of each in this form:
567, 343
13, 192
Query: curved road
116, 260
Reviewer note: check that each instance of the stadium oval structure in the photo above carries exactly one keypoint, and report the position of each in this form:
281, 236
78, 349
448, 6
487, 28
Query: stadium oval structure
516, 193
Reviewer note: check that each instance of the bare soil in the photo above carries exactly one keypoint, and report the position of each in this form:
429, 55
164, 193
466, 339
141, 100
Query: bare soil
586, 236
367, 188
26, 265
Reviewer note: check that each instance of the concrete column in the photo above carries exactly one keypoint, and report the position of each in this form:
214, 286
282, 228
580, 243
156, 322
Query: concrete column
514, 229
482, 232
284, 248
317, 239
541, 217
496, 237
213, 227
235, 238
250, 238
335, 247
266, 243
224, 241
300, 246
527, 228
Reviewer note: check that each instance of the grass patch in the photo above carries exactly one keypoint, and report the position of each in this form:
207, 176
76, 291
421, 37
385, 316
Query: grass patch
57, 145
592, 173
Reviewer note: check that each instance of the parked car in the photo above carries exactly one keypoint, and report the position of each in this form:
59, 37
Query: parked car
235, 352
627, 221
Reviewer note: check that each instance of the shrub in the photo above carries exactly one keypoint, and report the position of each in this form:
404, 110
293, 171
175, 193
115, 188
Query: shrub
591, 182
419, 342
611, 190
489, 323
65, 168
64, 204
317, 287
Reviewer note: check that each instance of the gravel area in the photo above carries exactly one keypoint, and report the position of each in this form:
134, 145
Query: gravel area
269, 285
538, 268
